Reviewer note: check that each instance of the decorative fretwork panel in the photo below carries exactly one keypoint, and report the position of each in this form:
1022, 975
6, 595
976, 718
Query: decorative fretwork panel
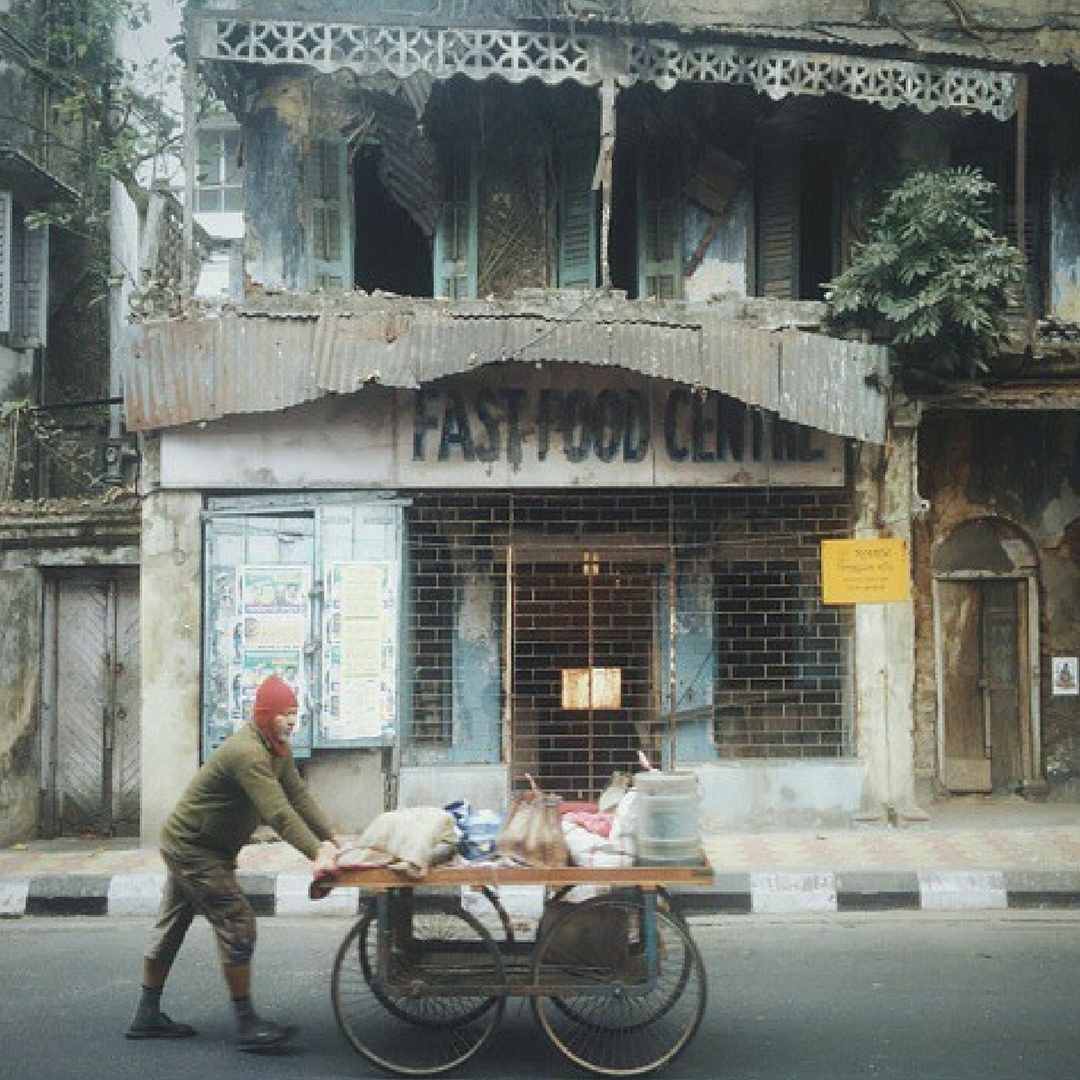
517, 55
889, 83
403, 51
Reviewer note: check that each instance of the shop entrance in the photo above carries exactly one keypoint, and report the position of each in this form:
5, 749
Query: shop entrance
584, 663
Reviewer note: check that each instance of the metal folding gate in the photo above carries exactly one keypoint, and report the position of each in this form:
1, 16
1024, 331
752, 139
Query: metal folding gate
585, 663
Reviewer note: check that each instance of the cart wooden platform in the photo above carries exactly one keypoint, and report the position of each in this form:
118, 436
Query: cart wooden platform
615, 982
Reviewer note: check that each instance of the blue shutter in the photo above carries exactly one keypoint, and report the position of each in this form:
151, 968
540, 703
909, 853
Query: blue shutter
30, 286
777, 220
455, 233
696, 677
329, 235
577, 215
660, 212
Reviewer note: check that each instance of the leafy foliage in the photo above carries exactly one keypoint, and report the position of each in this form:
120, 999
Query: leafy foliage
932, 276
109, 113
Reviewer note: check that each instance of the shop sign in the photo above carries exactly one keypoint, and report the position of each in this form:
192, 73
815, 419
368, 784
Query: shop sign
596, 427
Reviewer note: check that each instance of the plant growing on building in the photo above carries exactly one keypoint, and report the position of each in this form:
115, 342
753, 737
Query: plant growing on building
932, 277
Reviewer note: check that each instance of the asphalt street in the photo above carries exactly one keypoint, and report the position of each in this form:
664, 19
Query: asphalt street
897, 996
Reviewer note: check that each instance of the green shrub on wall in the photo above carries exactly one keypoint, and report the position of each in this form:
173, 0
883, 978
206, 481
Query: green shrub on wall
932, 277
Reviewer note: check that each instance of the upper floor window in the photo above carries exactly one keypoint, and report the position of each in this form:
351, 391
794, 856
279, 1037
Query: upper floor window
219, 187
797, 232
24, 276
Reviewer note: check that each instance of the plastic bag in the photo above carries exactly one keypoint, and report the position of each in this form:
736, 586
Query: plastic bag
612, 795
476, 830
532, 832
624, 828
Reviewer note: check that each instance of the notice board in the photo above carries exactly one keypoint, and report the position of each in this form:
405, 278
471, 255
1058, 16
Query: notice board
870, 571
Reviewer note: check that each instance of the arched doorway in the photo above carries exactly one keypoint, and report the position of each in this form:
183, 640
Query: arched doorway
986, 631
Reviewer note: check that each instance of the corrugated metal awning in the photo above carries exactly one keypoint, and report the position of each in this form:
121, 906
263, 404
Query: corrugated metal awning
190, 370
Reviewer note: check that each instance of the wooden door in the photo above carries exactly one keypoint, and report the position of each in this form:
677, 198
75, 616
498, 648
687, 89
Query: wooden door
985, 712
92, 705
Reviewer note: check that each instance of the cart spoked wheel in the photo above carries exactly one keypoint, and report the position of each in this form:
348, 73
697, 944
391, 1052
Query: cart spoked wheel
424, 993
620, 1001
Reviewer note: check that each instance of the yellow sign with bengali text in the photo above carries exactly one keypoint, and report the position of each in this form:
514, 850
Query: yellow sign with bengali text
865, 571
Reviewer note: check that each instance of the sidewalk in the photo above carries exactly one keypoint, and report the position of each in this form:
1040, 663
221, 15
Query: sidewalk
973, 853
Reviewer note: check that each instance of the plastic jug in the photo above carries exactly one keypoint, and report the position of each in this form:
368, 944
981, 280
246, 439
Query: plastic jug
668, 812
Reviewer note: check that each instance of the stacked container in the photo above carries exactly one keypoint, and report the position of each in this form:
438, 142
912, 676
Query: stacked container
668, 813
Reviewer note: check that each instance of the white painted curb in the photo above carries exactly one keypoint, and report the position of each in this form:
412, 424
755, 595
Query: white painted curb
135, 894
962, 890
788, 892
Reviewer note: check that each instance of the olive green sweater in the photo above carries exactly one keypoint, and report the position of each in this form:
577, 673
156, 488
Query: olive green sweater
241, 785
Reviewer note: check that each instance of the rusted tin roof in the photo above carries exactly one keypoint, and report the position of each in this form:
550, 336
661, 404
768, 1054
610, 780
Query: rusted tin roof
255, 361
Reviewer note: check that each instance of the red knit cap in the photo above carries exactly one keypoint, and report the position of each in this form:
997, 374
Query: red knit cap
273, 696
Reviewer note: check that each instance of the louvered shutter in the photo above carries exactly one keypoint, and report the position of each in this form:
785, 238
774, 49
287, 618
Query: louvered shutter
455, 233
777, 220
5, 261
30, 285
577, 215
330, 256
660, 210
994, 154
1031, 242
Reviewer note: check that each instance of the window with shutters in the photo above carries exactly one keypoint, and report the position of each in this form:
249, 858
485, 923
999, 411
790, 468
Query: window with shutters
797, 196
24, 277
577, 217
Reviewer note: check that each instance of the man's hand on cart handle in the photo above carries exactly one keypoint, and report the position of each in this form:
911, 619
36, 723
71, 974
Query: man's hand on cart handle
325, 860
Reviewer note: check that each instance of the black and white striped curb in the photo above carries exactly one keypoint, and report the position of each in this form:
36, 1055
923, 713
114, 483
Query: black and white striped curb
773, 892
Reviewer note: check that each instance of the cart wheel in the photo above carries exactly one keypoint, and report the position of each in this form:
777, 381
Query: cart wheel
609, 1010
422, 995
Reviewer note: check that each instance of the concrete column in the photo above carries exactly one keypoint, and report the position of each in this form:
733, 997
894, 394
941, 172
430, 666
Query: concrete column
170, 608
885, 633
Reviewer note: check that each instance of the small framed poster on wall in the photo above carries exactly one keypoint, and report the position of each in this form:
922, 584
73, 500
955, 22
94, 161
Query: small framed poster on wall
1066, 676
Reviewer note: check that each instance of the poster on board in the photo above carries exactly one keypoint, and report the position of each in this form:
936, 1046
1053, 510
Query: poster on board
359, 699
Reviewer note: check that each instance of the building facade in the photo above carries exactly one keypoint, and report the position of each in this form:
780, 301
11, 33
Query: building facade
519, 450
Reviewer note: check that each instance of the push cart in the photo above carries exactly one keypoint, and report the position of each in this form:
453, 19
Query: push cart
616, 983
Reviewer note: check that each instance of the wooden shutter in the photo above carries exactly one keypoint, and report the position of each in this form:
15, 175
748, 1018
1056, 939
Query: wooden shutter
5, 261
577, 215
660, 212
777, 220
330, 256
1031, 243
455, 233
992, 150
30, 285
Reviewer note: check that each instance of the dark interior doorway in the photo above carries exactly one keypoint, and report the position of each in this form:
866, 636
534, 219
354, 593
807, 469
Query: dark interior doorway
392, 252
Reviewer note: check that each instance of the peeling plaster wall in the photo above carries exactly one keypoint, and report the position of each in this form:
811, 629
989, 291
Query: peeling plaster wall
276, 142
1064, 212
723, 269
1024, 468
20, 678
170, 613
885, 633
